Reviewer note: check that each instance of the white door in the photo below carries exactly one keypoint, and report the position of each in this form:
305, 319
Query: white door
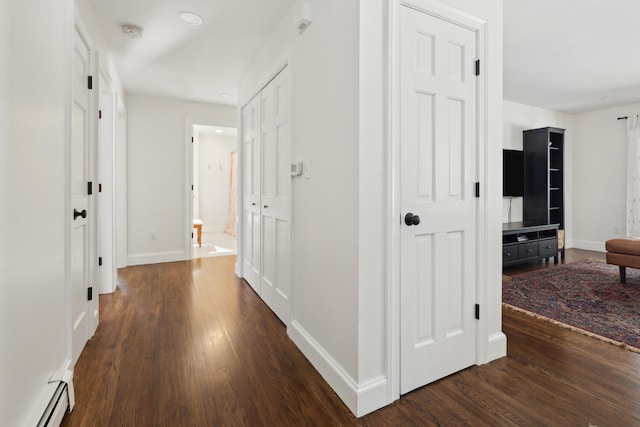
438, 157
251, 233
276, 184
80, 128
106, 275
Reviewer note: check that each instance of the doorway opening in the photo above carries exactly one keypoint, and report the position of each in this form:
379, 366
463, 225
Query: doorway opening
214, 195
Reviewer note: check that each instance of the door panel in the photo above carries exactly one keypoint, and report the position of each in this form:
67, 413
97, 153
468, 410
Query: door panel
276, 185
251, 193
81, 309
438, 158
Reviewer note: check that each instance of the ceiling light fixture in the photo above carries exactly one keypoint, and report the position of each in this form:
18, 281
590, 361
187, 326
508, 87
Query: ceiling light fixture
132, 31
219, 131
191, 18
225, 95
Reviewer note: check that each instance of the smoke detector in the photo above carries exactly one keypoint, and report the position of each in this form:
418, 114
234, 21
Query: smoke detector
132, 31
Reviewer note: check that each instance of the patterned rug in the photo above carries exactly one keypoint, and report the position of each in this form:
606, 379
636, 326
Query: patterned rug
586, 296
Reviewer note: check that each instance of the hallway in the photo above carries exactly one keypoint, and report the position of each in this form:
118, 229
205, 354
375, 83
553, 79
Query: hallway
189, 344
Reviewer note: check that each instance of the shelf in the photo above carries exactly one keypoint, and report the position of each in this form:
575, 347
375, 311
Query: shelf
543, 199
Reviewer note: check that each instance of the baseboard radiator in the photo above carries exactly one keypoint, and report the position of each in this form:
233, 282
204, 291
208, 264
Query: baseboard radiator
57, 408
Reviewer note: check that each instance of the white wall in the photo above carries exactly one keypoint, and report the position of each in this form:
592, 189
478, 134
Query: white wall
600, 176
34, 219
215, 169
340, 69
519, 117
156, 174
324, 80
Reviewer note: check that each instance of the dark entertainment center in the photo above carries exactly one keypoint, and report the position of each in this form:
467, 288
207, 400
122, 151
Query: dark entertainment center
537, 175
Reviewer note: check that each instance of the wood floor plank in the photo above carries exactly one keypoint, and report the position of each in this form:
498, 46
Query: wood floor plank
189, 344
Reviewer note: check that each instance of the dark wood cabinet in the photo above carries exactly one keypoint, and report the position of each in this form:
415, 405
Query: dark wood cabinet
522, 242
543, 201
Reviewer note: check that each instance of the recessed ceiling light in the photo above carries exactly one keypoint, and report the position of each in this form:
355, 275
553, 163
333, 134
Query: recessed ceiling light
132, 31
191, 18
225, 95
219, 131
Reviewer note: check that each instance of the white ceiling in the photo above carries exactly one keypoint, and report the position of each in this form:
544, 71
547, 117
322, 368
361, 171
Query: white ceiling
572, 55
176, 60
566, 55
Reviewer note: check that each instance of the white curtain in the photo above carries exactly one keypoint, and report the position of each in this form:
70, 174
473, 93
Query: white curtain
633, 176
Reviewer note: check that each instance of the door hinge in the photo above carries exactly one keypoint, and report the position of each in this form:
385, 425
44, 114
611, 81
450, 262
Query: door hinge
192, 235
99, 261
477, 189
191, 139
99, 188
89, 188
90, 82
191, 187
90, 293
99, 114
478, 311
477, 67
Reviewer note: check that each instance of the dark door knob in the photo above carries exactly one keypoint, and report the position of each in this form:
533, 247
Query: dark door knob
411, 219
76, 214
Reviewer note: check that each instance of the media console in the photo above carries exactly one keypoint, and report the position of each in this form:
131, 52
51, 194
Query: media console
523, 243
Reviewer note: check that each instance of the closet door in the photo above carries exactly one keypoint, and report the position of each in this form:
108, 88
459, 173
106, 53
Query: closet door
251, 167
276, 186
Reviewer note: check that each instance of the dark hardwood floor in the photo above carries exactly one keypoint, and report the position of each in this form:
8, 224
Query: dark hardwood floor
188, 344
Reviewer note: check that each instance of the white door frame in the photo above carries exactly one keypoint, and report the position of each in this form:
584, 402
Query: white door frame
447, 13
189, 122
106, 165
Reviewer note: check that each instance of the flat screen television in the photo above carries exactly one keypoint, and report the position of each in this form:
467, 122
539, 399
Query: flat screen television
512, 173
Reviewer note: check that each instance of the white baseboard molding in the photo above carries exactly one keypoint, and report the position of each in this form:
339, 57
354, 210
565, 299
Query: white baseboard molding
588, 245
361, 399
497, 346
156, 258
42, 403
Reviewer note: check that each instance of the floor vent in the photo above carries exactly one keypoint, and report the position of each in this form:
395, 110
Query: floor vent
57, 408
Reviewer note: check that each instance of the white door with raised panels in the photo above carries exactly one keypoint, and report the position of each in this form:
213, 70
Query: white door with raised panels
266, 160
276, 187
438, 140
81, 309
251, 169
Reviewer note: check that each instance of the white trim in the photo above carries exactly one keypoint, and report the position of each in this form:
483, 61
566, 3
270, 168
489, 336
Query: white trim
157, 257
361, 399
483, 347
278, 66
189, 122
106, 288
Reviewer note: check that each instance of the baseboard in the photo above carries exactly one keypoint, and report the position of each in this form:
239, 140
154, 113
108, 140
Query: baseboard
156, 258
361, 399
588, 245
43, 400
497, 347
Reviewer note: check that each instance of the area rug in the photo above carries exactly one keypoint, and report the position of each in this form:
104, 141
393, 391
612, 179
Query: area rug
585, 295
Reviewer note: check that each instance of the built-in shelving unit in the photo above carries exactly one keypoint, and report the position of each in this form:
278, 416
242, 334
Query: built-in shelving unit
543, 201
